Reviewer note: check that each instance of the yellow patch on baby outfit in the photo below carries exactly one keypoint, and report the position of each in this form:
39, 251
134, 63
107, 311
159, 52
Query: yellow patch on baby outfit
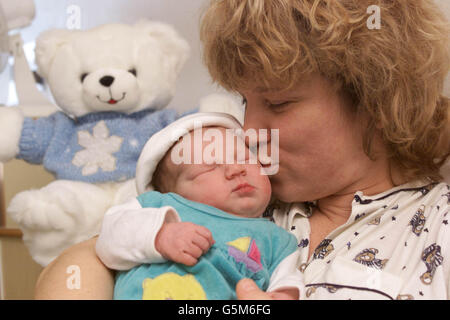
171, 286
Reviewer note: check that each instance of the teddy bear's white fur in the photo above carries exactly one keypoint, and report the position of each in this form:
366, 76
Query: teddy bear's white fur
114, 67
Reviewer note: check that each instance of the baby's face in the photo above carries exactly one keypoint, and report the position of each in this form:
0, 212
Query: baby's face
218, 179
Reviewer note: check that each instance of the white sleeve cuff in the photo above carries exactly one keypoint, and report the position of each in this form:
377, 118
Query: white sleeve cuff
128, 233
164, 215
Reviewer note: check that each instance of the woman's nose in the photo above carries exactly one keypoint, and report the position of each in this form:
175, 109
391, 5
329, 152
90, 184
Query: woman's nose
255, 127
234, 170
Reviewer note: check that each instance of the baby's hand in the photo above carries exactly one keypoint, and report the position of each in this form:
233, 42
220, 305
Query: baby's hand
183, 242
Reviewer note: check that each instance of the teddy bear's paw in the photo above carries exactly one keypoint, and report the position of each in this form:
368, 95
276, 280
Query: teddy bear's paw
45, 246
33, 210
69, 206
60, 215
11, 120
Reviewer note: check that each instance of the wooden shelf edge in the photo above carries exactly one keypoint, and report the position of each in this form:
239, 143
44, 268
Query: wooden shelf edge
10, 232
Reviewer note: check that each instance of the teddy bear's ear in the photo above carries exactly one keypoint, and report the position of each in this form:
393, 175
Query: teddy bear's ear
173, 45
47, 44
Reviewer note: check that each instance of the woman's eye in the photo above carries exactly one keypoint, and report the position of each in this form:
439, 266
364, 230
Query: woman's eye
278, 105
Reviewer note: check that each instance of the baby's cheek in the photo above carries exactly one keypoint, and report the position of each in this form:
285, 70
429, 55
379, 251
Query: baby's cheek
212, 193
268, 190
265, 186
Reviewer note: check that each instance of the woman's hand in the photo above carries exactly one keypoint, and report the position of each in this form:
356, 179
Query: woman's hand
183, 242
247, 289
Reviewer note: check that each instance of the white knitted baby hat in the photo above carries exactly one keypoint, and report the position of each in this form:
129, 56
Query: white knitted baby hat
157, 146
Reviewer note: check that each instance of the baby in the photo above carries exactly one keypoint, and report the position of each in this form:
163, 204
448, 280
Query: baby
203, 189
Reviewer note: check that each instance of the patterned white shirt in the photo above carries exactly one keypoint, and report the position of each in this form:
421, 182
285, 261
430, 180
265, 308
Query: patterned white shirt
395, 245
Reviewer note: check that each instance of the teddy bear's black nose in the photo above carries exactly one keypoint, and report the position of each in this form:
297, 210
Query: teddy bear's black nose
106, 81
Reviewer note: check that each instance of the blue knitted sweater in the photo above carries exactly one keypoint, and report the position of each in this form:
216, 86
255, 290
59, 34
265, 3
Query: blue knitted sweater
98, 147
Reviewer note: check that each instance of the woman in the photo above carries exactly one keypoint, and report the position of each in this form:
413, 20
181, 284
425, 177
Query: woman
363, 131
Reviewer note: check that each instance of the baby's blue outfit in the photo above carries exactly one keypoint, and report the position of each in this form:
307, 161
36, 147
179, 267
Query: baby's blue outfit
244, 248
98, 147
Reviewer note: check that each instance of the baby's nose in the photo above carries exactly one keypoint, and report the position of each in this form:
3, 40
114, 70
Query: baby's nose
234, 170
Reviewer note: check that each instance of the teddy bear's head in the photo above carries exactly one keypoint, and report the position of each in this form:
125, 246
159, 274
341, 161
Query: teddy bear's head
113, 67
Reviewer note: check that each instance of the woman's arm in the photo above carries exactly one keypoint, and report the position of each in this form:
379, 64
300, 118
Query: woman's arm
59, 279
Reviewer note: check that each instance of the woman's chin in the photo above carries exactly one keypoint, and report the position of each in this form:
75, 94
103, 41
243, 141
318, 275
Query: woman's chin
287, 192
279, 191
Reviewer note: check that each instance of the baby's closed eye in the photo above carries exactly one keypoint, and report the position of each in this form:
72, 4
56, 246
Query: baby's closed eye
198, 171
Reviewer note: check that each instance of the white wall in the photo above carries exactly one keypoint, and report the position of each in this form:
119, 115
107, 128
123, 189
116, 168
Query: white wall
184, 15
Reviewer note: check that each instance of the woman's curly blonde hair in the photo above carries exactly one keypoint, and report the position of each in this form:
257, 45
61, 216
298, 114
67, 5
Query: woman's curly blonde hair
395, 74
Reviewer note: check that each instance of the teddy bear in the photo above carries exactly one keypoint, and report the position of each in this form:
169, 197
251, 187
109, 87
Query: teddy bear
111, 84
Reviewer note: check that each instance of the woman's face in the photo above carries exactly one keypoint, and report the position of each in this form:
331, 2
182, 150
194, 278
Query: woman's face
320, 139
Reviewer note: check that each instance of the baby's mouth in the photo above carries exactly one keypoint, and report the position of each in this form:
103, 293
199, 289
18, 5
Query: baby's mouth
244, 188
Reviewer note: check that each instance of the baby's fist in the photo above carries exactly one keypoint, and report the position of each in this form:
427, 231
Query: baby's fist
183, 242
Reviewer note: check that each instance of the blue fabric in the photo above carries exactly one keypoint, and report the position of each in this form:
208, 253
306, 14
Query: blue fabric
54, 141
217, 271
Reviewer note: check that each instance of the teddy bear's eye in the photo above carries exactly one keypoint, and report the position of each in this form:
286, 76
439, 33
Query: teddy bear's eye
133, 72
84, 75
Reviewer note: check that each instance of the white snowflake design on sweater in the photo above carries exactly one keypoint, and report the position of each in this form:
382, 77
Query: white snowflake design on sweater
98, 150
